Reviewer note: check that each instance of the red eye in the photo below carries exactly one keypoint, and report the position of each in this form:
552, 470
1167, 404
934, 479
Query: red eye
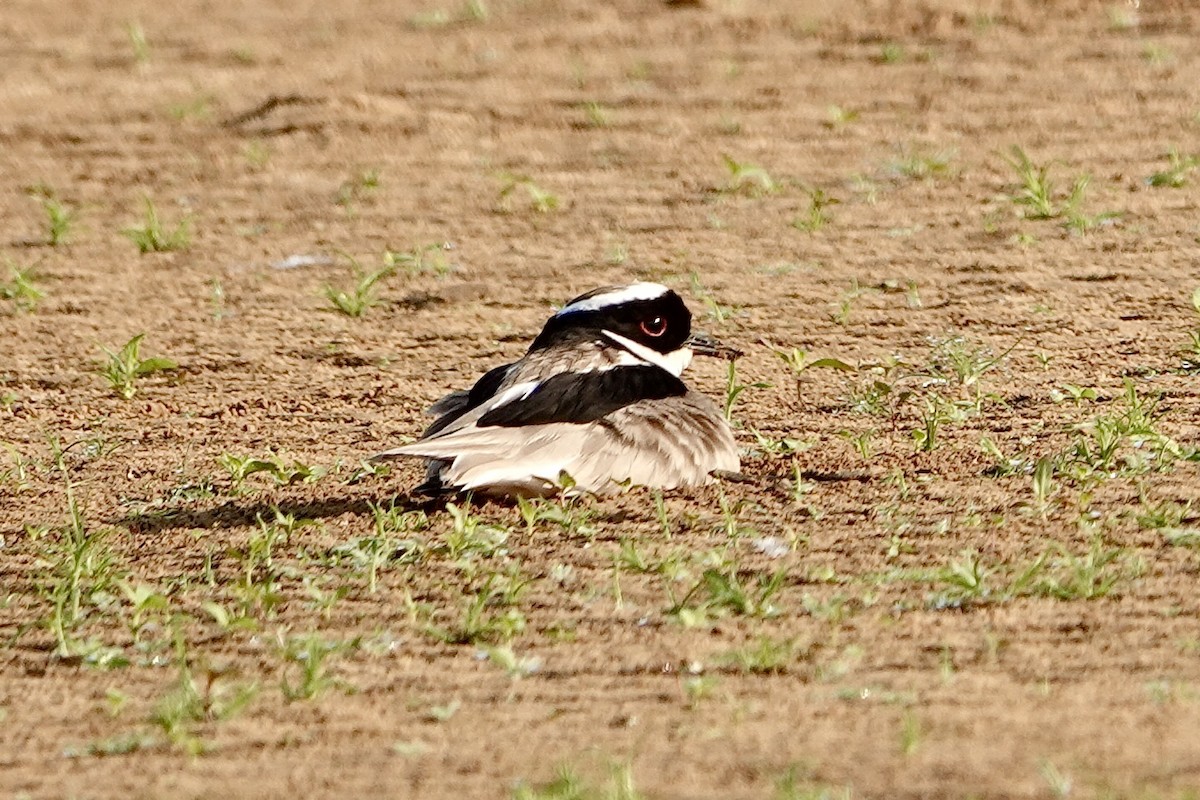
655, 326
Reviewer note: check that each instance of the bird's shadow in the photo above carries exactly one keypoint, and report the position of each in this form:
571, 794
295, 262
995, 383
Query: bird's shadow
242, 512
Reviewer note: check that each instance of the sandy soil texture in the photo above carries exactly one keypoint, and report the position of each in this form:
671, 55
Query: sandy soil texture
957, 241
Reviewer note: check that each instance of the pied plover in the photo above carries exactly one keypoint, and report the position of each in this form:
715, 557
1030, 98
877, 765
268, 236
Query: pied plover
597, 397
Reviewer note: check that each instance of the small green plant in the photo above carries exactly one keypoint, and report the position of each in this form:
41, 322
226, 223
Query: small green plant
838, 117
125, 366
355, 301
470, 12
516, 667
1179, 166
724, 589
763, 656
892, 53
421, 259
918, 163
910, 733
1039, 199
197, 107
734, 389
538, 199
816, 217
308, 657
1157, 54
790, 786
597, 116
137, 42
78, 565
846, 303
375, 553
21, 288
747, 178
216, 299
357, 188
1043, 483
200, 696
482, 620
568, 785
1036, 194
153, 237
284, 474
257, 154
60, 220
717, 311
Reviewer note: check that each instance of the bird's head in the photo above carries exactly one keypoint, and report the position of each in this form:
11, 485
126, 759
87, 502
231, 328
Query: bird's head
648, 320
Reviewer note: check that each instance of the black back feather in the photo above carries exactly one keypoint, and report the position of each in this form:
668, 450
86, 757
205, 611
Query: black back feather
579, 397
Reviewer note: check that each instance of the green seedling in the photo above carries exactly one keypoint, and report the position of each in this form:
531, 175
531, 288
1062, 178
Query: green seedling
201, 696
153, 237
60, 221
516, 667
198, 107
816, 217
1043, 483
356, 188
257, 154
1036, 191
21, 289
1059, 783
764, 656
797, 360
790, 786
569, 513
734, 389
747, 178
1179, 166
597, 116
1157, 54
355, 301
538, 199
717, 311
488, 618
892, 53
1039, 199
697, 689
846, 303
570, 786
421, 260
1076, 394
837, 117
910, 733
920, 164
79, 566
936, 411
725, 590
137, 42
307, 657
470, 12
469, 536
216, 299
126, 366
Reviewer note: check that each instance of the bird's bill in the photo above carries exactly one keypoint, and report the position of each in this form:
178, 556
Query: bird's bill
705, 345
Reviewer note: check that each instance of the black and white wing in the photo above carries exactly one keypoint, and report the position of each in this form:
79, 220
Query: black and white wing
636, 423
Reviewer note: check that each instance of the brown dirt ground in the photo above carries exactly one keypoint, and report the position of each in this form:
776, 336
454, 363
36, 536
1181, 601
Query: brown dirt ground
888, 690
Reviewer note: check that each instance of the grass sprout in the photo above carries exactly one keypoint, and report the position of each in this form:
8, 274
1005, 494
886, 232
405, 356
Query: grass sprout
1175, 176
125, 367
152, 236
747, 178
356, 300
21, 288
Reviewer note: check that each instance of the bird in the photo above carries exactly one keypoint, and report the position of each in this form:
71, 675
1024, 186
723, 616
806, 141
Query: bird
595, 404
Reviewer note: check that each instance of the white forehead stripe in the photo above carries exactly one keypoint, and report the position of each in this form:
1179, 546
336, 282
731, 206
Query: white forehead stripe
641, 290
